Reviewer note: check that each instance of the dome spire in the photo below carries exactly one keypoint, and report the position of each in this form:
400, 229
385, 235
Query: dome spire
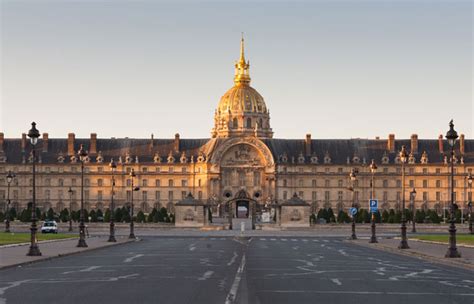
242, 75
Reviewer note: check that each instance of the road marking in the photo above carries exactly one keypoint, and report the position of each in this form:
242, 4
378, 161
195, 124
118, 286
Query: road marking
206, 275
263, 239
231, 296
192, 247
130, 259
272, 239
294, 240
317, 241
341, 251
336, 281
11, 285
370, 292
295, 247
304, 240
232, 260
326, 241
83, 270
410, 275
284, 240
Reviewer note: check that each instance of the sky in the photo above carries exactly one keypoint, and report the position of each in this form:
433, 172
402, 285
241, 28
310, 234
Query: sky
335, 69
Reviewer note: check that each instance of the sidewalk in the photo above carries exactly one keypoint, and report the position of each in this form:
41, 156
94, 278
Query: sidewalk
423, 250
16, 255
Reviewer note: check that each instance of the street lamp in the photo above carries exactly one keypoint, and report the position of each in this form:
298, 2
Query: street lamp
112, 166
412, 199
373, 169
132, 234
82, 153
469, 204
452, 252
33, 134
70, 208
353, 177
10, 177
403, 242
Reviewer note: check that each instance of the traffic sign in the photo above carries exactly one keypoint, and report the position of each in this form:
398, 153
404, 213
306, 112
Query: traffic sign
374, 205
353, 211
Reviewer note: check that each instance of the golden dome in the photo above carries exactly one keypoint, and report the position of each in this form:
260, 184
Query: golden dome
242, 110
242, 98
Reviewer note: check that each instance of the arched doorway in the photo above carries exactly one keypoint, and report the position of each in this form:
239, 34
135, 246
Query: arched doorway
242, 208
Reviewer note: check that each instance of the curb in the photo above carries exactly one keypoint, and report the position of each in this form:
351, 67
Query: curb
441, 243
430, 258
21, 264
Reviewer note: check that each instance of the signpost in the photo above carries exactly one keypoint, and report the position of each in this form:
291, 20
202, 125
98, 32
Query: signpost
374, 205
353, 211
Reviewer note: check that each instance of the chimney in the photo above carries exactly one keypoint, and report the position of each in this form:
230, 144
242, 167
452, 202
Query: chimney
2, 140
151, 143
440, 143
70, 144
23, 142
461, 144
45, 142
93, 144
176, 142
391, 143
307, 145
414, 143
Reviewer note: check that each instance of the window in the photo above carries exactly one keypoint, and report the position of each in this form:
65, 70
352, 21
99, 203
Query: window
326, 170
438, 183
425, 196
170, 169
183, 194
399, 183
454, 183
86, 195
285, 195
356, 183
199, 182
60, 195
425, 170
300, 170
385, 183
100, 169
47, 194
144, 169
425, 183
235, 123
314, 195
399, 170
385, 196
157, 195
340, 183
47, 182
145, 183
200, 195
242, 178
339, 170
129, 196
183, 170
411, 171
128, 169
399, 196
256, 179
170, 195
326, 196
87, 182
339, 196
100, 182
170, 183
144, 196
455, 196
184, 183
438, 196
285, 183
47, 170
129, 182
412, 183
73, 182
385, 170
249, 123
301, 194
99, 195
300, 183
438, 170
326, 183
158, 170
313, 183
157, 183
73, 169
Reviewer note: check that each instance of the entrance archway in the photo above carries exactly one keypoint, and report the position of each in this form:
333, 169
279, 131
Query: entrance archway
247, 206
242, 208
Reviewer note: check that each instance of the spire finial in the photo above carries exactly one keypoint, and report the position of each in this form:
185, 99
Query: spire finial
242, 53
242, 76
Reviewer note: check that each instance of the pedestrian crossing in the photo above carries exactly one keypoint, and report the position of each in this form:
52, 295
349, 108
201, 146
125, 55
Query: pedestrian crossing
278, 239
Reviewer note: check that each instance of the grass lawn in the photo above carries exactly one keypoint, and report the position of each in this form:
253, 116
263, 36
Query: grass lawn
467, 239
14, 238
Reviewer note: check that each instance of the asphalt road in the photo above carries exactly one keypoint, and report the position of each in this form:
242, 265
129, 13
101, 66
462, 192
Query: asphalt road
232, 270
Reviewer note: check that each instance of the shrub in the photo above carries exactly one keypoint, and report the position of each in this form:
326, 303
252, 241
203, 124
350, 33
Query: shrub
343, 217
140, 217
107, 215
93, 216
64, 215
50, 214
151, 216
385, 216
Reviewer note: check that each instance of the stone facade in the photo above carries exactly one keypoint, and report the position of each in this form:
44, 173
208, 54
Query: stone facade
190, 213
295, 213
241, 155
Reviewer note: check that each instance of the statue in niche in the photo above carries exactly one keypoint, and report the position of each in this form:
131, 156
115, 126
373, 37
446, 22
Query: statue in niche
295, 215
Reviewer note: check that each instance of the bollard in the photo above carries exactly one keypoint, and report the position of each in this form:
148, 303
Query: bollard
242, 227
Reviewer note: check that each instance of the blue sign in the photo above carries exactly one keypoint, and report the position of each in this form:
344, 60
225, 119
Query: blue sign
353, 211
374, 205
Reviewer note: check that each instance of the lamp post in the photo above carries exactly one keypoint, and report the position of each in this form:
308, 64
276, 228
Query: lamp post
82, 153
403, 242
452, 252
412, 198
469, 204
34, 250
112, 166
10, 177
132, 234
373, 169
70, 208
353, 177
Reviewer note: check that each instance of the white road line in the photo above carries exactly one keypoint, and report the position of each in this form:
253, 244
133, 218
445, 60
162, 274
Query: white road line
294, 240
83, 270
304, 240
231, 296
284, 240
206, 275
11, 285
341, 251
263, 239
232, 260
192, 247
130, 259
336, 281
326, 241
369, 292
272, 239
317, 241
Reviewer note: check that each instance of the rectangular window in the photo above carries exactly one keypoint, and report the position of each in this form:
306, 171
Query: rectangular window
183, 194
300, 183
438, 196
129, 182
128, 169
455, 196
425, 183
385, 183
438, 183
411, 171
73, 182
99, 195
285, 183
184, 183
47, 182
339, 170
60, 195
158, 169
438, 171
285, 195
200, 195
129, 196
157, 195
183, 170
145, 183
425, 196
385, 170
170, 183
412, 183
385, 196
47, 195
326, 196
157, 183
314, 195
256, 179
340, 183
300, 170
339, 196
100, 182
86, 195
144, 169
313, 183
326, 183
170, 196
399, 196
301, 194
199, 182
144, 196
425, 171
100, 169
170, 169
399, 171
399, 183
87, 182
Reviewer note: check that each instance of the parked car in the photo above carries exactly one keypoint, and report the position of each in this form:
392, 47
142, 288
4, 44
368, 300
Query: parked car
49, 227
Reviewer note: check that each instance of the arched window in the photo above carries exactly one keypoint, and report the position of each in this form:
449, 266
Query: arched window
249, 123
235, 123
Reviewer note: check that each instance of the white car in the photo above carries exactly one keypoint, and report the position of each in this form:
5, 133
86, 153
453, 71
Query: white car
49, 227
